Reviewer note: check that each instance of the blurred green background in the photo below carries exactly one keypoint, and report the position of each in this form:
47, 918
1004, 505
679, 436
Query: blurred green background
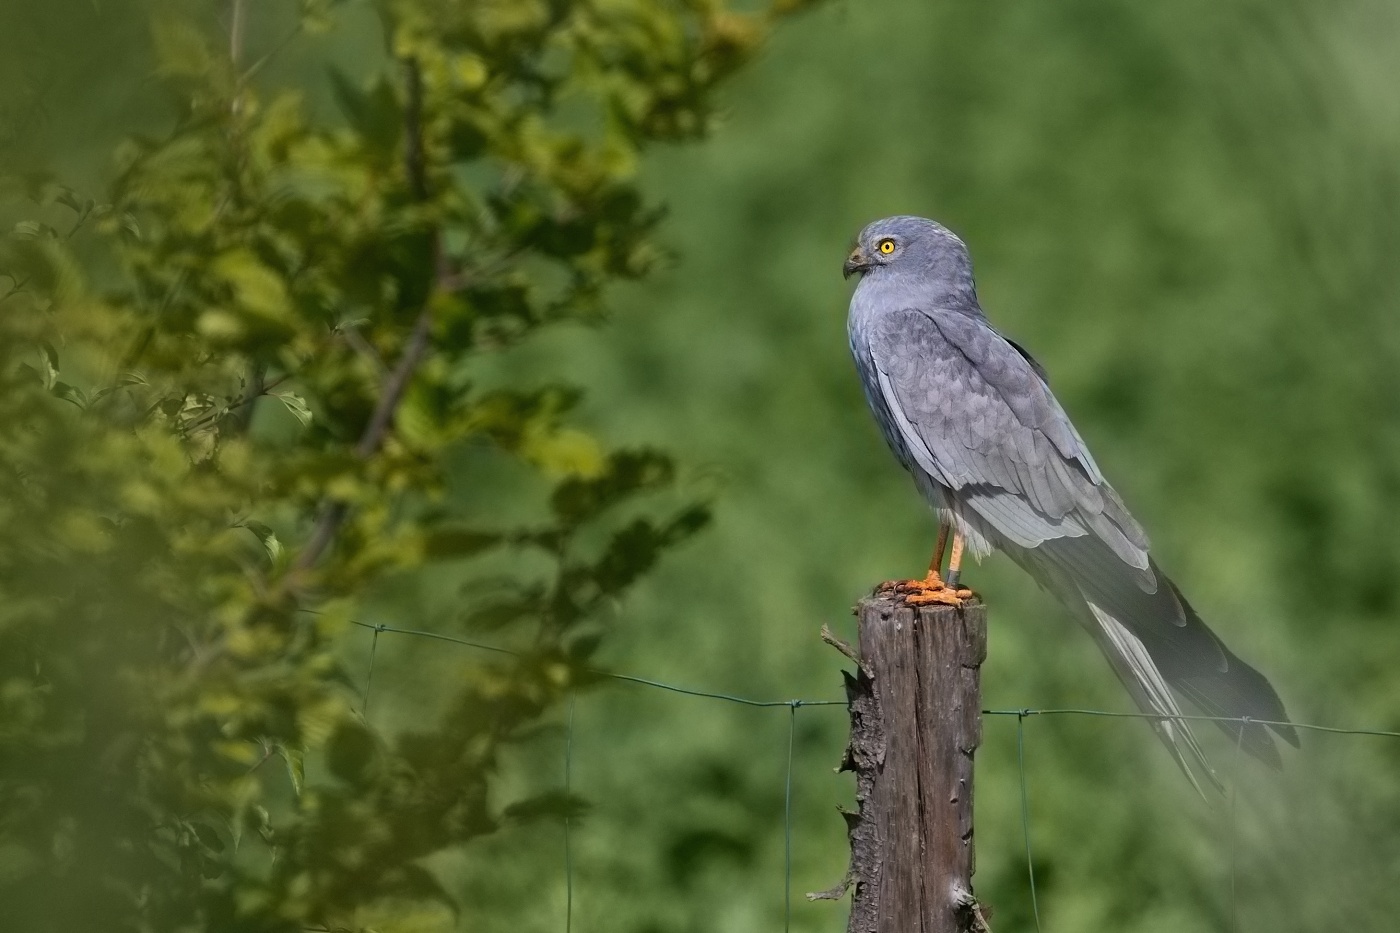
1190, 214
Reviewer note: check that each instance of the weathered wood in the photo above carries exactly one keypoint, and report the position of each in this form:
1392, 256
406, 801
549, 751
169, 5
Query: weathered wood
915, 705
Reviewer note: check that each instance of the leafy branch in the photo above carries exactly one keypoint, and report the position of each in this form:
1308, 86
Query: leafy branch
150, 663
333, 514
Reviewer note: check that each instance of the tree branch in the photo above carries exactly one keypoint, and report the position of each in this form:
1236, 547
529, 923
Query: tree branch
237, 26
333, 514
413, 131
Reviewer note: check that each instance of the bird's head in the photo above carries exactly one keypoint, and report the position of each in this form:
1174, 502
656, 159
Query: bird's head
910, 244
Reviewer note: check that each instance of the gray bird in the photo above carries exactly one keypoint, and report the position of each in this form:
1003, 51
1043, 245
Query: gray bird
971, 416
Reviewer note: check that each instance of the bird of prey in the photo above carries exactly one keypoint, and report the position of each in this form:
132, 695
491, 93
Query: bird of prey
971, 416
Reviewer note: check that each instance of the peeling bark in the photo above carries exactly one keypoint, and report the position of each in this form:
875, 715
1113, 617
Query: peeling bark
916, 722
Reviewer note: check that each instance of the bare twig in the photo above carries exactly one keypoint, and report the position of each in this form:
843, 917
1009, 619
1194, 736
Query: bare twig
845, 648
15, 288
272, 53
971, 908
237, 26
394, 389
333, 514
413, 130
832, 894
238, 21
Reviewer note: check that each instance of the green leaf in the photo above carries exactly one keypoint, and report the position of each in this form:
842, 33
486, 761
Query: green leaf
250, 816
552, 805
296, 405
257, 287
70, 394
181, 49
454, 541
29, 372
32, 230
625, 474
352, 754
49, 359
125, 380
267, 537
415, 883
296, 766
69, 199
582, 647
634, 548
498, 615
40, 265
375, 114
209, 837
565, 452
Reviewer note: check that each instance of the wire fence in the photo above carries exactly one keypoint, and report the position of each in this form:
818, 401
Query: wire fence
794, 705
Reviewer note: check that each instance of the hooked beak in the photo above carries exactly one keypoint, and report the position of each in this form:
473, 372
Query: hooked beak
856, 262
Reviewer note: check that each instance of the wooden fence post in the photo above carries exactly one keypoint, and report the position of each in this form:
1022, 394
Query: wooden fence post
916, 720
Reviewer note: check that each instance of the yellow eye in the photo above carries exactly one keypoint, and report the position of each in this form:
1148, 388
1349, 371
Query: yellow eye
886, 246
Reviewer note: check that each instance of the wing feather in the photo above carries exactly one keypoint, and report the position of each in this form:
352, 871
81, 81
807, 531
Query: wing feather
975, 413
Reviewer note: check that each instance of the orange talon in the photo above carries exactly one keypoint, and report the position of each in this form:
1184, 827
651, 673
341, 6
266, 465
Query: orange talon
946, 596
931, 589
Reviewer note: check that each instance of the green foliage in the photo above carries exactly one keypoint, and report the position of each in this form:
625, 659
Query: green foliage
1186, 211
231, 389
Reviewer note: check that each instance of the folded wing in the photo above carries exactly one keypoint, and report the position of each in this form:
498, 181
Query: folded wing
977, 416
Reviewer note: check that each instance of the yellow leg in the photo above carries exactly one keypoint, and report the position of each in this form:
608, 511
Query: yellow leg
933, 580
955, 561
932, 589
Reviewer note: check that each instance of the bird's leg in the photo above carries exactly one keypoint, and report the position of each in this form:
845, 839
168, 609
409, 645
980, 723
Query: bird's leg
932, 589
955, 561
932, 580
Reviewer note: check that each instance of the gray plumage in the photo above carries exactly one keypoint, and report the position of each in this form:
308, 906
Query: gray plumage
971, 416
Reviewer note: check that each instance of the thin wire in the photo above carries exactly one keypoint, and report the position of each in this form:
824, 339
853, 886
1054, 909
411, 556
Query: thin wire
745, 701
568, 848
714, 696
452, 638
1234, 793
1026, 811
787, 819
369, 678
1020, 713
627, 678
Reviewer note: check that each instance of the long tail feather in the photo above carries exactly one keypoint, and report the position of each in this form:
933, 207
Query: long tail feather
1133, 664
1159, 648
